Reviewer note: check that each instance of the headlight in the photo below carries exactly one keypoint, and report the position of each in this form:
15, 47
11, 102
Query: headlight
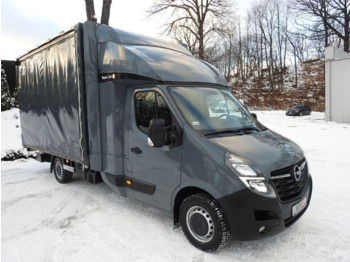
256, 183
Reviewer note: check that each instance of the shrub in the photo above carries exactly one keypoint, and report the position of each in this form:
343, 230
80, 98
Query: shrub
5, 92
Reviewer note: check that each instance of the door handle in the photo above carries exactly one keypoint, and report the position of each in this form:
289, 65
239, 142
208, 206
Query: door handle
136, 150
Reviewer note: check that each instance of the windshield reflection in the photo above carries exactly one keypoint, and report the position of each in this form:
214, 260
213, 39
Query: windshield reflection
212, 111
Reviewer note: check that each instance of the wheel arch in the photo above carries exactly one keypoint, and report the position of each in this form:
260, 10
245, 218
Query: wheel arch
181, 196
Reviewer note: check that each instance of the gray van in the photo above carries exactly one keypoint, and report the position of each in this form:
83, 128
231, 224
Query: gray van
162, 127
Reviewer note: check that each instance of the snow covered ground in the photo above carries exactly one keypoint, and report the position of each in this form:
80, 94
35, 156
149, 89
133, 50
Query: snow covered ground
10, 131
43, 220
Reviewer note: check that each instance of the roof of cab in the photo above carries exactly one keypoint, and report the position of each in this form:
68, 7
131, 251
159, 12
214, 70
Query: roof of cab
124, 52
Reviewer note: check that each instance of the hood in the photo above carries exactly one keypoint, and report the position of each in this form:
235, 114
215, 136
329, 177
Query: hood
265, 151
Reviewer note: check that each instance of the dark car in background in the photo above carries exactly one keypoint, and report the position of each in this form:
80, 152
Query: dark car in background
298, 111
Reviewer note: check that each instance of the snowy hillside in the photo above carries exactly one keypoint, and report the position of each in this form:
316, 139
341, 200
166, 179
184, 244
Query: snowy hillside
43, 220
257, 94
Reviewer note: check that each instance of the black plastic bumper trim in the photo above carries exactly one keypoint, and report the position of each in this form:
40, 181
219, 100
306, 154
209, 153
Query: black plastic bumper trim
247, 212
134, 184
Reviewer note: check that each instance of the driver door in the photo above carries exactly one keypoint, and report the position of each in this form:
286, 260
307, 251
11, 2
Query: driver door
155, 172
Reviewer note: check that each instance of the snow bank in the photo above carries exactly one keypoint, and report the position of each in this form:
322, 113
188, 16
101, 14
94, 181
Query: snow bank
10, 131
11, 143
46, 221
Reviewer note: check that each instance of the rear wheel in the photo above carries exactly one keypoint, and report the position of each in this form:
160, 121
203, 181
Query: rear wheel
62, 176
203, 223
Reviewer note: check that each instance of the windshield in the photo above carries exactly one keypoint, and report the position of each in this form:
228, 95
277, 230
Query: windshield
213, 111
296, 107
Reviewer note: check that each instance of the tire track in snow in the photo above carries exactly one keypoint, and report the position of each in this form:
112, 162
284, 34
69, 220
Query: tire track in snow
7, 203
20, 181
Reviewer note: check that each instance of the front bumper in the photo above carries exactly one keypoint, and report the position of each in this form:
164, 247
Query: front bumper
291, 113
247, 212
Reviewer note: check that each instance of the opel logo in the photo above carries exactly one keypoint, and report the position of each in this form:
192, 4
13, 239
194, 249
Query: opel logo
297, 173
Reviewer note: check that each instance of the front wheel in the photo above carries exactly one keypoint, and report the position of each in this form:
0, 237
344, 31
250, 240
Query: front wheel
62, 176
203, 223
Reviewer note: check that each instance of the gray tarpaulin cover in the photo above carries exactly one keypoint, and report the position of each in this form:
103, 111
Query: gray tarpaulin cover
48, 78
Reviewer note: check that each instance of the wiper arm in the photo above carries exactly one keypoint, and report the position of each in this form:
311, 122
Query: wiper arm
220, 132
239, 130
247, 129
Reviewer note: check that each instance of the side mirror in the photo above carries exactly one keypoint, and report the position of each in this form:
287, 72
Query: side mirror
254, 115
156, 132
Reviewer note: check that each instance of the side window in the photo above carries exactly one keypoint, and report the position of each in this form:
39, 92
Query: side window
149, 105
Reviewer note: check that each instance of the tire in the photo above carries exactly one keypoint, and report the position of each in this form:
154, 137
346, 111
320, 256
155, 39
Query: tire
203, 223
62, 176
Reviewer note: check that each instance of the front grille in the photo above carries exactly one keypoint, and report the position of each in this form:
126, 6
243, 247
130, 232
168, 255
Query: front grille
285, 184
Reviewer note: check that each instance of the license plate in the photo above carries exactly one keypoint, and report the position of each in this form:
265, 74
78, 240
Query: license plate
299, 206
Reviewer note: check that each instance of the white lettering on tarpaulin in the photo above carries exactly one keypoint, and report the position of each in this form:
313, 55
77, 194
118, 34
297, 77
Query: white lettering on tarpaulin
107, 77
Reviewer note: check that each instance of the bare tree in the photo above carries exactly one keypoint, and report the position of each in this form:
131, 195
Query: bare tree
198, 18
90, 11
106, 9
263, 46
226, 59
270, 37
282, 16
253, 18
186, 36
268, 28
334, 15
297, 43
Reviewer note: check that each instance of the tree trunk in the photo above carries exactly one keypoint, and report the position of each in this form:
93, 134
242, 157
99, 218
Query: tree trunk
106, 9
261, 57
296, 70
201, 42
272, 78
346, 42
347, 32
90, 10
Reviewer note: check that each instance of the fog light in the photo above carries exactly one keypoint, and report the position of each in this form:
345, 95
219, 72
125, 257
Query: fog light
262, 229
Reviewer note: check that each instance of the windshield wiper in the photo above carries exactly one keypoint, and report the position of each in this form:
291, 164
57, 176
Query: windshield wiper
239, 130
